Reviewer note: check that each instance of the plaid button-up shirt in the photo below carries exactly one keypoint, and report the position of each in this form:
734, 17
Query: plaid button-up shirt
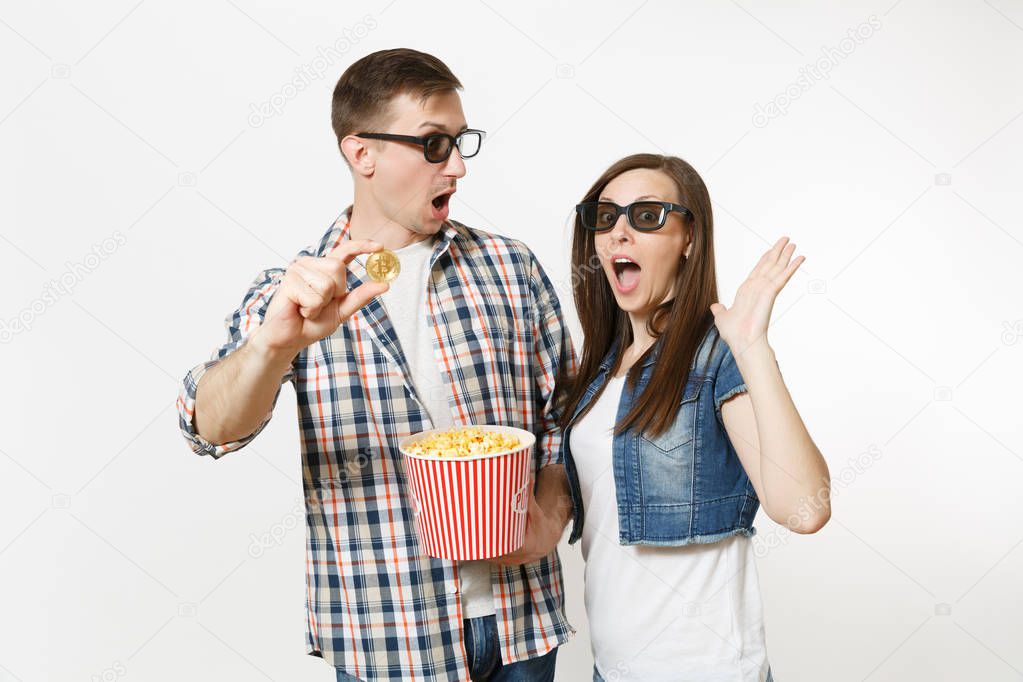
377, 606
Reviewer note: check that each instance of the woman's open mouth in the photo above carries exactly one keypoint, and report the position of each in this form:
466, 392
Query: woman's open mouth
626, 274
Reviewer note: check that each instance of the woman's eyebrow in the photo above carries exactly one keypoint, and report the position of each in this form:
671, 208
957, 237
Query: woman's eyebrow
645, 196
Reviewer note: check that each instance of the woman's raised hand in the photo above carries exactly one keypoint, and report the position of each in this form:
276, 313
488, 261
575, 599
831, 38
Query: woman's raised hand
746, 322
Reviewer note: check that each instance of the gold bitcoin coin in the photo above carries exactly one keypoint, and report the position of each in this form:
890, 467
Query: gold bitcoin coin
383, 266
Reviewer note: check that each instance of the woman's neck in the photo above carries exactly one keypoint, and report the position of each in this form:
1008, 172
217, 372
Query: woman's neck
641, 341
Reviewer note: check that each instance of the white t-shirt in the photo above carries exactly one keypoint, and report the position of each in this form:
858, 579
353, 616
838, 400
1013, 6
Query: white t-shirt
405, 303
661, 613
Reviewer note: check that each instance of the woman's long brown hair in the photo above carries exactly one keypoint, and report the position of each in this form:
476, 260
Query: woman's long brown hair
682, 320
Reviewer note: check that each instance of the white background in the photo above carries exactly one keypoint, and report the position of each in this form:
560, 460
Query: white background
123, 555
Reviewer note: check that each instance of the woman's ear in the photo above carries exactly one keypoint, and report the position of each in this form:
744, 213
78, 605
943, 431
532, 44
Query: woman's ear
358, 155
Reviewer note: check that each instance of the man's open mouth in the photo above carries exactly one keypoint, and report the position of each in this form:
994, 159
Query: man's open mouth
441, 201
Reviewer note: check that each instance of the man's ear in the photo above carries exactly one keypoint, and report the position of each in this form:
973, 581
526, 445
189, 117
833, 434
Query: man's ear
358, 154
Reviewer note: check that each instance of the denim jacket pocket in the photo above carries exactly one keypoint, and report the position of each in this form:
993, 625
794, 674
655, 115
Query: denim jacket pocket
666, 461
683, 429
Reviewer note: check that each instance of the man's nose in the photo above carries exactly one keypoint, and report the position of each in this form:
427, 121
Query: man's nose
455, 165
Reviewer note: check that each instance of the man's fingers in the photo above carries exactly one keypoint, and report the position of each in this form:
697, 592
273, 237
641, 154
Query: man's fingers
348, 250
360, 296
310, 289
309, 302
319, 282
331, 268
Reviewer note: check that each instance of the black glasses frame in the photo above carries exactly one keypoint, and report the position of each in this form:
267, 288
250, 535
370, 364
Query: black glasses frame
665, 206
424, 142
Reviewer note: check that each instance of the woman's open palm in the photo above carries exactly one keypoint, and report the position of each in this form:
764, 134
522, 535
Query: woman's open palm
746, 321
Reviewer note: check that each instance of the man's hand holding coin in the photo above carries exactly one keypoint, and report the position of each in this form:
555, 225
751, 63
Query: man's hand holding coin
313, 299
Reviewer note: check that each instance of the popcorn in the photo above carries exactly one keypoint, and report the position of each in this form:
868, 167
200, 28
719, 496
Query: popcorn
463, 442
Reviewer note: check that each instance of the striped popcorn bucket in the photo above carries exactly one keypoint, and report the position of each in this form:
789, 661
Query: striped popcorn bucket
471, 507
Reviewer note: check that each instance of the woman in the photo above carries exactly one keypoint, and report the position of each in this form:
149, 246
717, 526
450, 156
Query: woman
674, 438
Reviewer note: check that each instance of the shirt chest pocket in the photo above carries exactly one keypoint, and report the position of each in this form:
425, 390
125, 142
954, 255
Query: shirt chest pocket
494, 336
666, 461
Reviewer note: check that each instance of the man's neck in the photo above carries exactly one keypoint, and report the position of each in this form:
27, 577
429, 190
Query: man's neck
369, 224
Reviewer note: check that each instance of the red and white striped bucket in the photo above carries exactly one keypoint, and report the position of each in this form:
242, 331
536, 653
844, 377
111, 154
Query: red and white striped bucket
471, 507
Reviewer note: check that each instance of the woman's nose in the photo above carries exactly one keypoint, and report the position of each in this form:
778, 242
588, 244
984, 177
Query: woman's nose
620, 231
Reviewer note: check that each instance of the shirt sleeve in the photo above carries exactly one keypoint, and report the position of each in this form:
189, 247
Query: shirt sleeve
728, 381
240, 324
552, 350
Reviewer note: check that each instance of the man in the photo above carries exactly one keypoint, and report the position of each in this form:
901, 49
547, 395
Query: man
470, 332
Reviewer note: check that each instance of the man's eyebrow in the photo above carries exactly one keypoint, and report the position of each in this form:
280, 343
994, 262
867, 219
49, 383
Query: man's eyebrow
440, 126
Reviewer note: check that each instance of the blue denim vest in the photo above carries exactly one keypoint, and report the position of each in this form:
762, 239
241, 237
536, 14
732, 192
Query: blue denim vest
686, 485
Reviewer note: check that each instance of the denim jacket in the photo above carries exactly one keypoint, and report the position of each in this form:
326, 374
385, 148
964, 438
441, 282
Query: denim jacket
686, 485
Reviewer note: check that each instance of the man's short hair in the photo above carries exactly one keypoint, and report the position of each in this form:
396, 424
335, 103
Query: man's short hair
366, 88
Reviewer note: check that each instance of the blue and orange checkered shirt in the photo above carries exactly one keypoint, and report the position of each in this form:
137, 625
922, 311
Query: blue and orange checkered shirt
376, 605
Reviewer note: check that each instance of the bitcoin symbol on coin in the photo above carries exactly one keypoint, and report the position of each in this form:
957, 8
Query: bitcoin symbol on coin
383, 266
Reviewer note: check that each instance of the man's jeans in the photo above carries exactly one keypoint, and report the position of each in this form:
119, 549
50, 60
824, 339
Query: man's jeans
484, 652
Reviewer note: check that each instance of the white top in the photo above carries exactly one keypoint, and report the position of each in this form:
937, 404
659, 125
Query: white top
661, 613
405, 302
